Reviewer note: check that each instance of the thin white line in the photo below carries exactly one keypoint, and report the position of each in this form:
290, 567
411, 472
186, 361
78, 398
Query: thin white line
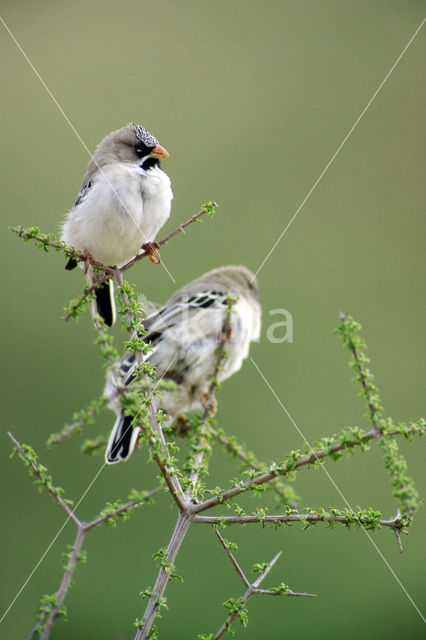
79, 137
338, 491
74, 510
48, 549
341, 145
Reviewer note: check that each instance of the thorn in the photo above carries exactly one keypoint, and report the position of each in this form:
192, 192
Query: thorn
398, 538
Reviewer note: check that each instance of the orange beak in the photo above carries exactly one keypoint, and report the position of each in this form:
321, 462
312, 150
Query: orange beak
159, 152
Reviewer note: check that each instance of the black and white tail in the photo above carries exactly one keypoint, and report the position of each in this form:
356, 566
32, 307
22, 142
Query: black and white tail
122, 440
105, 304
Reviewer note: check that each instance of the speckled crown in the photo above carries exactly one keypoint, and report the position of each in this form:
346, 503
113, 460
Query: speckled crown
144, 136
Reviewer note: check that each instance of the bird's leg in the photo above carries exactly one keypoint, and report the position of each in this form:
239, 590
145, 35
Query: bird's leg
226, 334
88, 260
182, 426
152, 250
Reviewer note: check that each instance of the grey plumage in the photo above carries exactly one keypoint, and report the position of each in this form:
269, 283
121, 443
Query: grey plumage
124, 200
185, 335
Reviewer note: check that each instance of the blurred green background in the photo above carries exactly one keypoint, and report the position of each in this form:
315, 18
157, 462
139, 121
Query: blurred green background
251, 99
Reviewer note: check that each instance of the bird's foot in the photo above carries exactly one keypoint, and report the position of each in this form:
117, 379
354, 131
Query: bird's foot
88, 260
183, 426
152, 250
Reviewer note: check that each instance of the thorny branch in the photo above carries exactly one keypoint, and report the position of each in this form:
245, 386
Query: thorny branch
88, 291
364, 377
189, 508
310, 459
185, 516
285, 492
203, 430
170, 477
79, 420
41, 477
237, 605
53, 606
395, 523
107, 272
208, 208
48, 240
233, 559
403, 490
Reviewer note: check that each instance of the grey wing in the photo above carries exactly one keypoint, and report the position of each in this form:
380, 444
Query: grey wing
183, 307
85, 187
72, 262
155, 324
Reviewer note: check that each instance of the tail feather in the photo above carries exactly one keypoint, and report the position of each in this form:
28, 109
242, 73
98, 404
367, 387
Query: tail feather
105, 304
122, 440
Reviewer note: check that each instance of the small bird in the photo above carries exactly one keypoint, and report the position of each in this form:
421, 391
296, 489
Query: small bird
123, 202
185, 335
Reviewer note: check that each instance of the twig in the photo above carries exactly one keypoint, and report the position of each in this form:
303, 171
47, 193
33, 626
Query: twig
171, 479
232, 558
185, 516
42, 478
237, 606
355, 345
203, 430
80, 419
121, 509
209, 208
285, 492
54, 609
318, 455
65, 584
87, 292
48, 240
404, 490
166, 570
55, 605
396, 523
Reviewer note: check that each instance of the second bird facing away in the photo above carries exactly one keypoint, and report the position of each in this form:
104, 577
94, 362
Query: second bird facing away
123, 202
185, 335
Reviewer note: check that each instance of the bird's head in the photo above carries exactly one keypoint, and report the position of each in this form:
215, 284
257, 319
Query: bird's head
132, 144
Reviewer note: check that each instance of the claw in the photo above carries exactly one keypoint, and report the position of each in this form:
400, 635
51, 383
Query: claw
88, 260
183, 426
152, 250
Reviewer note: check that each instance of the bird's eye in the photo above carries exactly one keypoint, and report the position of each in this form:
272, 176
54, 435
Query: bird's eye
140, 152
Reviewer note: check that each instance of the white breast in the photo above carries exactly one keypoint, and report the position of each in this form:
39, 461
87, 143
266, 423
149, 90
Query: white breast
124, 208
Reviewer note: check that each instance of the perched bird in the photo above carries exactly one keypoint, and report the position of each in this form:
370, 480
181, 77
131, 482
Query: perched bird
185, 335
123, 202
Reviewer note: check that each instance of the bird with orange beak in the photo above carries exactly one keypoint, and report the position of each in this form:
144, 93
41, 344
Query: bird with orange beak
123, 202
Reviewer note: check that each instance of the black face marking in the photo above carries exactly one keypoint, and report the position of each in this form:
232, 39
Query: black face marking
150, 163
142, 151
145, 141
